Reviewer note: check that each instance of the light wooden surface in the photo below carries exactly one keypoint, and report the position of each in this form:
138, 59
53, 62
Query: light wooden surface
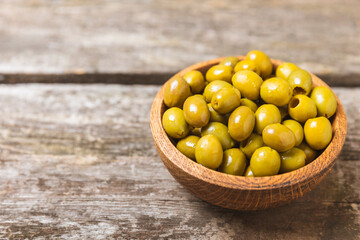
153, 39
78, 161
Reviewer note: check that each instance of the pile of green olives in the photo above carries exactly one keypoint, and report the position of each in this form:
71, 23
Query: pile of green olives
246, 118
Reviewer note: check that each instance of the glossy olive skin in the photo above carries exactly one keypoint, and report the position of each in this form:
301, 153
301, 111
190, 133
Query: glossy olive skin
234, 162
174, 123
292, 160
262, 61
196, 111
229, 61
187, 146
252, 143
266, 114
220, 131
296, 128
176, 91
265, 162
248, 103
241, 123
300, 82
247, 65
278, 137
285, 69
276, 91
325, 101
248, 83
219, 72
248, 172
302, 108
196, 81
226, 100
318, 132
310, 153
213, 87
215, 116
208, 152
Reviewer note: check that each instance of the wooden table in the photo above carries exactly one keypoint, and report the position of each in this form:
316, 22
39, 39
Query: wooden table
77, 160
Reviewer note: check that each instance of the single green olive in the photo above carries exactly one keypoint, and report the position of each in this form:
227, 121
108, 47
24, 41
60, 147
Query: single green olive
310, 153
176, 91
285, 69
187, 146
196, 81
234, 162
215, 116
300, 82
196, 111
301, 108
248, 103
248, 83
279, 137
229, 61
248, 172
318, 132
213, 87
266, 114
276, 91
262, 61
265, 161
208, 152
226, 100
219, 72
241, 123
220, 131
325, 101
174, 123
252, 143
292, 160
247, 65
297, 129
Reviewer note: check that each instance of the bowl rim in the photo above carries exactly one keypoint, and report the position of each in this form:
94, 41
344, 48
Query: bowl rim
305, 174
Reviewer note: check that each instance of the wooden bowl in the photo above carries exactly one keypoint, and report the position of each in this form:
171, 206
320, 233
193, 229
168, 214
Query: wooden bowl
237, 192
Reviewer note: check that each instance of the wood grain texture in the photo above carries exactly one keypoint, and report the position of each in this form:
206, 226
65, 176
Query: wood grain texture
78, 161
153, 39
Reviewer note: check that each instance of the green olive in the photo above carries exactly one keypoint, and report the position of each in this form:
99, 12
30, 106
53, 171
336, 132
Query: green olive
215, 116
187, 146
265, 162
248, 103
174, 123
229, 61
213, 87
300, 82
325, 101
176, 91
301, 108
266, 114
208, 152
196, 111
220, 131
247, 65
252, 143
262, 61
241, 123
292, 160
196, 81
279, 137
318, 132
297, 129
248, 84
248, 172
219, 72
234, 162
310, 153
276, 91
285, 69
226, 100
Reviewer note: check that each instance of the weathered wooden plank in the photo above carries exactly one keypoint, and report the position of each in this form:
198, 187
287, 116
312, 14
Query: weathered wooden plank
77, 161
143, 38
